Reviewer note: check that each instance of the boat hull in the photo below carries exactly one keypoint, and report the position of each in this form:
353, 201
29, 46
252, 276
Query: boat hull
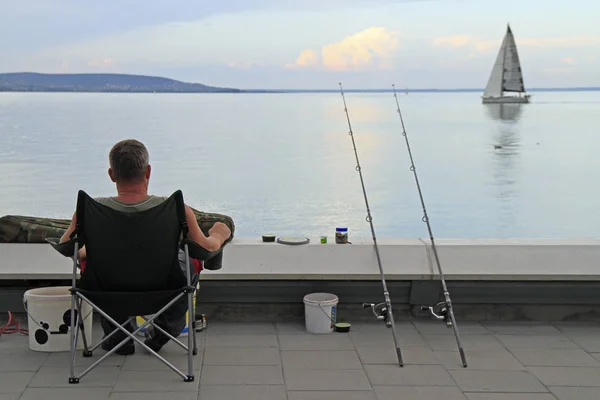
506, 100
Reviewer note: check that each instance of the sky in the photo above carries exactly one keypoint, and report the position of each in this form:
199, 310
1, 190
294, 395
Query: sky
305, 44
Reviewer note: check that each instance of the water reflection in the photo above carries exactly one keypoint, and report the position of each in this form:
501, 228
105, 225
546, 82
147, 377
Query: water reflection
504, 112
505, 147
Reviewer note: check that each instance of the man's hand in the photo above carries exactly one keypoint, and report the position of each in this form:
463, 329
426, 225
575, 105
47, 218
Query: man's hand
220, 230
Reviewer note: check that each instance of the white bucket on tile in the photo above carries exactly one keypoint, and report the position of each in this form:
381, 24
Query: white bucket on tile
49, 315
320, 312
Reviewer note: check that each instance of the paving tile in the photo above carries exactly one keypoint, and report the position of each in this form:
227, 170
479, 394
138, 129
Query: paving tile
595, 355
537, 341
26, 362
172, 349
344, 359
241, 375
386, 339
11, 382
54, 377
315, 342
588, 342
317, 380
240, 328
64, 359
152, 396
521, 328
153, 381
481, 360
10, 396
418, 393
387, 355
567, 376
148, 362
241, 340
331, 395
414, 375
291, 328
575, 327
242, 356
440, 328
509, 396
574, 393
69, 393
242, 392
497, 381
402, 328
555, 357
469, 342
14, 344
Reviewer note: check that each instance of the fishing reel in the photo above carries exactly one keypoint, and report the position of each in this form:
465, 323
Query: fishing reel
440, 311
381, 312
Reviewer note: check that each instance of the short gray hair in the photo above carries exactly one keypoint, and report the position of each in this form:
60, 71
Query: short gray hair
128, 160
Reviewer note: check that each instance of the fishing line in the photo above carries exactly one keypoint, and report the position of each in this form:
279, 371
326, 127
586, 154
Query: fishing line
442, 311
383, 311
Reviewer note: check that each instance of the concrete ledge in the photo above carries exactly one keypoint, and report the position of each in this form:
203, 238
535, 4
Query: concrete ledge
402, 259
518, 259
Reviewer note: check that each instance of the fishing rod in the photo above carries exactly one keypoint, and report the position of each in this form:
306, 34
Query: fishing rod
383, 311
443, 310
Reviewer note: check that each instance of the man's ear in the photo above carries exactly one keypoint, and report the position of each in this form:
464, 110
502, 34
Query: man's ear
148, 170
112, 176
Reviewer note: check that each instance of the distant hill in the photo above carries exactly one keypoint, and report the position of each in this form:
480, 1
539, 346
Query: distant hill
34, 82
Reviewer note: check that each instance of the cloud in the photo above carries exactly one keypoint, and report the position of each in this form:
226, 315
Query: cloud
307, 58
372, 48
567, 60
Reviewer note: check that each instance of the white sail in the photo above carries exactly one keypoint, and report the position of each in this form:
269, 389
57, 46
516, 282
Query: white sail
506, 74
494, 85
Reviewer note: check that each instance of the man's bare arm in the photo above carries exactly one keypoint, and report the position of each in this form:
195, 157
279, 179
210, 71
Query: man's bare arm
218, 234
70, 229
65, 237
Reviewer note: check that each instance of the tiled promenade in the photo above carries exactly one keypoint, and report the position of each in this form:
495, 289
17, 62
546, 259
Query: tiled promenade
278, 361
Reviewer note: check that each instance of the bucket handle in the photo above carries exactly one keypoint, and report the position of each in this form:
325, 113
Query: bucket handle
40, 325
328, 316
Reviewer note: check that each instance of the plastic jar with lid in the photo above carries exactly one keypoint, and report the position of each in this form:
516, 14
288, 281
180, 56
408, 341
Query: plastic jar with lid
341, 235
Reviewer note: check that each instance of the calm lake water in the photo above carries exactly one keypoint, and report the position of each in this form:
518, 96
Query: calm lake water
284, 163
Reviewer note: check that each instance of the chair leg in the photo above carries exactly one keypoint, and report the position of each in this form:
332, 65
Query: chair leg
194, 324
73, 342
190, 377
86, 352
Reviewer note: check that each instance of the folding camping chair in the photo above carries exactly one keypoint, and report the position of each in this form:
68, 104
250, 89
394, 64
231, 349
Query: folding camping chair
132, 269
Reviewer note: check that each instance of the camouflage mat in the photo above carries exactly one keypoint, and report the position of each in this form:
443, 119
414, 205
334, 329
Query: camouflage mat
23, 229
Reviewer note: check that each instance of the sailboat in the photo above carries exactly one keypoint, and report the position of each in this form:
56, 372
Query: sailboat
506, 76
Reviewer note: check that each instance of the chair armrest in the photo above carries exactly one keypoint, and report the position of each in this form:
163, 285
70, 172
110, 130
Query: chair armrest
67, 248
213, 260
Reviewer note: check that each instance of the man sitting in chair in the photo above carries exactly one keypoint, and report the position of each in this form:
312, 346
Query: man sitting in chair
130, 170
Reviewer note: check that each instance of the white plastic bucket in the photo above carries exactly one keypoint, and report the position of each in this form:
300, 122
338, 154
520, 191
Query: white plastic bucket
49, 315
320, 312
